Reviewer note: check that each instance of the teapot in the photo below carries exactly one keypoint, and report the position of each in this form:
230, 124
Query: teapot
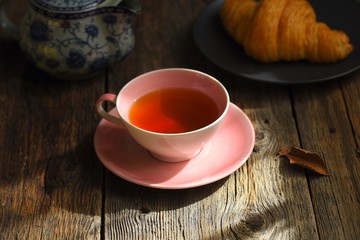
75, 39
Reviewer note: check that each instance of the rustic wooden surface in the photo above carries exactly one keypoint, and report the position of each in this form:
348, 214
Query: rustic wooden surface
52, 185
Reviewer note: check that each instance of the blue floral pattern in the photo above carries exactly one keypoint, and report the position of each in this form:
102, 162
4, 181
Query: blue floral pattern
70, 48
39, 32
99, 63
75, 59
92, 31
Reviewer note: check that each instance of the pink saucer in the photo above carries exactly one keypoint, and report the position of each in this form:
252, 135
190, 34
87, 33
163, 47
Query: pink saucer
225, 153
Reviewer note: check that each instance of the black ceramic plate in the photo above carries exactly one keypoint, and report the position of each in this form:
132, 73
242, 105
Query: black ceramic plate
216, 45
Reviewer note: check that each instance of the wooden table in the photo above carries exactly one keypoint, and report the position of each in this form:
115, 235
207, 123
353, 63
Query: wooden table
52, 185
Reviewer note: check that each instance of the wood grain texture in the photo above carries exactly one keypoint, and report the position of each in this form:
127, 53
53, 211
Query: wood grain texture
324, 127
351, 93
51, 182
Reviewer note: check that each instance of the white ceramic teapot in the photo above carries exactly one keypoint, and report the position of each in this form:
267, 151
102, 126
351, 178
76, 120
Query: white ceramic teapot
74, 39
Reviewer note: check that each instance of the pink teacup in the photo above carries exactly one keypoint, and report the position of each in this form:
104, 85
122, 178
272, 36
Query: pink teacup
169, 147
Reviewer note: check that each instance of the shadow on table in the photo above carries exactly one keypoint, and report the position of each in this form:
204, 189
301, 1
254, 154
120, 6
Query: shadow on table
147, 199
74, 181
71, 180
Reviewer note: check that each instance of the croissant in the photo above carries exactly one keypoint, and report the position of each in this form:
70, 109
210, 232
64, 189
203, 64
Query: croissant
275, 30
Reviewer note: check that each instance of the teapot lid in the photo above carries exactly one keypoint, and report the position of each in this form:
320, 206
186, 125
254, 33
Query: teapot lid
72, 5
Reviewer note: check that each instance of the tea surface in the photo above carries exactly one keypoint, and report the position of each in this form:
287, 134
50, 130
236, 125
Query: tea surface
173, 110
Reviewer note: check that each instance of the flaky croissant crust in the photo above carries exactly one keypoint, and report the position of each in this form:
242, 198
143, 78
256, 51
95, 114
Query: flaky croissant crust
275, 30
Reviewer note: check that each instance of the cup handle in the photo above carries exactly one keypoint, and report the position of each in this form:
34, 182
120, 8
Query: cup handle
5, 23
108, 97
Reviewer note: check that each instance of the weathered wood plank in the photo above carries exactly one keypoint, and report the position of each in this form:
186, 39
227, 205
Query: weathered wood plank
50, 180
351, 94
324, 127
277, 192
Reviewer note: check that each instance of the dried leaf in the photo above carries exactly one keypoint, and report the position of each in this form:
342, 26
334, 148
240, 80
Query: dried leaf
304, 158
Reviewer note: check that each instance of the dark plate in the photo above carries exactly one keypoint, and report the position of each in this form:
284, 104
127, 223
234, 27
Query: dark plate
222, 50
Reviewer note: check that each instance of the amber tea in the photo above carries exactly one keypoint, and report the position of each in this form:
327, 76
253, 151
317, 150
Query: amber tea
173, 110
